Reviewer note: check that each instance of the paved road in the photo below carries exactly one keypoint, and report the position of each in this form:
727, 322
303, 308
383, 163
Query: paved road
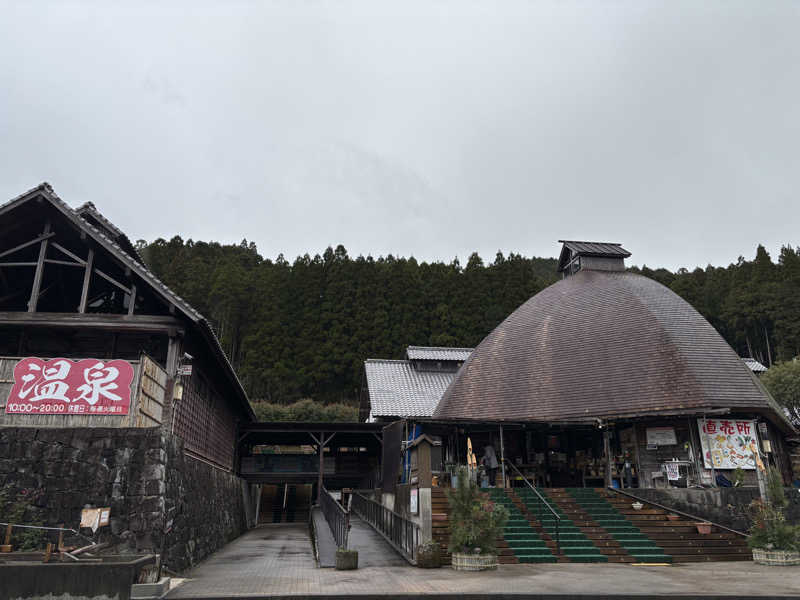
276, 561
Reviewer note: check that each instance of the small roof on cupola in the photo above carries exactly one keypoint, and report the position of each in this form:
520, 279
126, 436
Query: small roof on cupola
572, 249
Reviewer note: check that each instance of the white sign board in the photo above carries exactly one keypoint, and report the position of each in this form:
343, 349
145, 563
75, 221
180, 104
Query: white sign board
728, 443
414, 503
661, 436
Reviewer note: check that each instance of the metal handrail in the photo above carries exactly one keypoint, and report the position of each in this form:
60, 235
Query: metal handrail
545, 502
401, 533
337, 516
677, 512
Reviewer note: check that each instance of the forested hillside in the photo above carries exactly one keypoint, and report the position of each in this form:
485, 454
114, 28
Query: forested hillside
303, 329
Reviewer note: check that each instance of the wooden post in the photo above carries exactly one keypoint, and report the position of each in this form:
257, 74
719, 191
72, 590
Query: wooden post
321, 466
37, 278
87, 277
133, 299
502, 458
607, 450
8, 535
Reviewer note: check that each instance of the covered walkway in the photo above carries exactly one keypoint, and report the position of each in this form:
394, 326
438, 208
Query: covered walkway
276, 561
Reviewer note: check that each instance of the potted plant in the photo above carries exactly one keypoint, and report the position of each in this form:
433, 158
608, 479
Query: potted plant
703, 527
773, 540
429, 555
475, 524
346, 560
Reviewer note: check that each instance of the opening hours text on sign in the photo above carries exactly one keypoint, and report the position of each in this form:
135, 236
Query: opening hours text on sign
728, 443
61, 386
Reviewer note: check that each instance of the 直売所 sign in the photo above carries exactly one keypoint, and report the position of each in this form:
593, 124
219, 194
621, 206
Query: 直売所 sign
61, 386
728, 443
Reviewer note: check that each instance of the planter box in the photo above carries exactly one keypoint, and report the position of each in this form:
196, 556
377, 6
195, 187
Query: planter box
24, 576
429, 559
474, 562
346, 560
778, 558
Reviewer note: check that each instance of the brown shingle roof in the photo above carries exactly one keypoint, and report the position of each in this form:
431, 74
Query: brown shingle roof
602, 345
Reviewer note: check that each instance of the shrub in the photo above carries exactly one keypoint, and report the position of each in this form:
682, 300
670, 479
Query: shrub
20, 508
770, 531
475, 521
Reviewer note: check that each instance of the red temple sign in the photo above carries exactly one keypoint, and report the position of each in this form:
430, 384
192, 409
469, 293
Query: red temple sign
61, 386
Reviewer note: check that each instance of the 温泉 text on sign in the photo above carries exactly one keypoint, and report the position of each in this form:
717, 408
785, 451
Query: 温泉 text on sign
61, 386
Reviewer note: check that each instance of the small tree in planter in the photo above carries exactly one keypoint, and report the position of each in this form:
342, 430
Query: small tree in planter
772, 539
475, 524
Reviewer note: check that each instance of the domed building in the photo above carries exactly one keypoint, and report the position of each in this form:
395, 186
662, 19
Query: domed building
608, 375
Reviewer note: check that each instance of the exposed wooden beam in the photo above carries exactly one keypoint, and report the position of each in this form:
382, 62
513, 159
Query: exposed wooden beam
87, 276
155, 323
37, 278
112, 281
66, 263
132, 303
74, 257
26, 244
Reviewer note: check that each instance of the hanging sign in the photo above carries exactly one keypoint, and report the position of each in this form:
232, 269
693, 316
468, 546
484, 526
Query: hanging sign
728, 443
673, 472
661, 436
61, 386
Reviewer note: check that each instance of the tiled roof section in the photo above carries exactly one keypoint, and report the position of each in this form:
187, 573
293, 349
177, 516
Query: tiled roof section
596, 248
437, 353
602, 345
754, 365
46, 191
88, 209
397, 389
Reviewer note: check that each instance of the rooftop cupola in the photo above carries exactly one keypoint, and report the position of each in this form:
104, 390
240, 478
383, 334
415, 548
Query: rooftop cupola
596, 256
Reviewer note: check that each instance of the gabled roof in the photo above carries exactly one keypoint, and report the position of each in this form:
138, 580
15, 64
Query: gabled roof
114, 248
572, 248
437, 353
88, 211
397, 389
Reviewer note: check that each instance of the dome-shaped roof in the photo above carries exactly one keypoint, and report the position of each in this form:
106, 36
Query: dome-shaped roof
601, 344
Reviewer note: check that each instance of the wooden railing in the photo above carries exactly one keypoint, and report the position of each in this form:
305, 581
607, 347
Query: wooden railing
337, 516
401, 533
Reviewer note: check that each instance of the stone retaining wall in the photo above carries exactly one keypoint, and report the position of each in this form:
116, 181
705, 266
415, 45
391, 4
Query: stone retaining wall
726, 506
139, 472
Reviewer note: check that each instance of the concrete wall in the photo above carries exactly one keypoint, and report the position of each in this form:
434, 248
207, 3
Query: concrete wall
726, 506
140, 473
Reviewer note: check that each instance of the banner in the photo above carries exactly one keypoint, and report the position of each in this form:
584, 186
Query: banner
61, 386
729, 443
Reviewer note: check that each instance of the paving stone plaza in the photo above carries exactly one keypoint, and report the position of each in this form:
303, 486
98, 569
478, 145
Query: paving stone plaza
276, 561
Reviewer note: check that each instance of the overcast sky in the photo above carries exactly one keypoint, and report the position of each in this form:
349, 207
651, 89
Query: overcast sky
429, 129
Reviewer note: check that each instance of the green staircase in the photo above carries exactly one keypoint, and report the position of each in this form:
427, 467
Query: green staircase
525, 542
618, 525
574, 544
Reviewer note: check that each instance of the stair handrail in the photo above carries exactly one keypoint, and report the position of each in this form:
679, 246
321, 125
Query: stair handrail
545, 502
694, 518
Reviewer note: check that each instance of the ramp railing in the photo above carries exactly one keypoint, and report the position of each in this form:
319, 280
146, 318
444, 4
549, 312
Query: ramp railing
401, 533
337, 516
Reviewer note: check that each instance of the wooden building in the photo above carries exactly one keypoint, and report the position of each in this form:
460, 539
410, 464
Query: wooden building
73, 287
608, 376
